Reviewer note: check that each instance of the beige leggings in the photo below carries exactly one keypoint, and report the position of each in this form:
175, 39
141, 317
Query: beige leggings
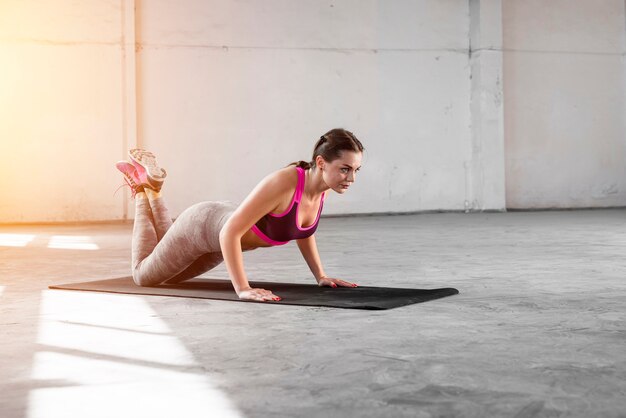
171, 252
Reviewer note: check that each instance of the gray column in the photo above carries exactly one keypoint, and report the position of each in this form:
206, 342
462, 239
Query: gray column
485, 171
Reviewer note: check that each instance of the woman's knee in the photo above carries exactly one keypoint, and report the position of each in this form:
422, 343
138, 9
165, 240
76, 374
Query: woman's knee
142, 279
139, 280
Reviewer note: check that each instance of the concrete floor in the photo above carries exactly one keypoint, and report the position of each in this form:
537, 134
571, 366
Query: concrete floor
538, 329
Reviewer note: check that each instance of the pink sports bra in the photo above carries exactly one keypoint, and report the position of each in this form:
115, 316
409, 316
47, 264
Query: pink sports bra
282, 228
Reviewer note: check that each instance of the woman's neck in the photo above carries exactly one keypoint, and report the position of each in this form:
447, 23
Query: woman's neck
314, 184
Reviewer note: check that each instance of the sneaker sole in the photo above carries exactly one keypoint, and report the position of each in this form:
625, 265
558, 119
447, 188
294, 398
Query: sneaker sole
147, 161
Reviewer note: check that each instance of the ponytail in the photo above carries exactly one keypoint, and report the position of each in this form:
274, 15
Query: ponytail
330, 145
302, 164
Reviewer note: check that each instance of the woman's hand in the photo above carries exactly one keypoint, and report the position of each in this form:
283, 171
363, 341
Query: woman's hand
328, 281
257, 294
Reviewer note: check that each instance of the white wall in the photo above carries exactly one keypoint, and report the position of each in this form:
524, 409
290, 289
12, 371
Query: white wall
230, 91
225, 92
565, 124
61, 110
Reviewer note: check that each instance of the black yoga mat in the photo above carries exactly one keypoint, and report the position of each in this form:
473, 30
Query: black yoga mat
362, 297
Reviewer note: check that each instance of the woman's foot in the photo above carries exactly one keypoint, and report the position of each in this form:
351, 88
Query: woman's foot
130, 176
148, 171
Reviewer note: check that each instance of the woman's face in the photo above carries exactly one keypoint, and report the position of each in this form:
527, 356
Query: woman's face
341, 173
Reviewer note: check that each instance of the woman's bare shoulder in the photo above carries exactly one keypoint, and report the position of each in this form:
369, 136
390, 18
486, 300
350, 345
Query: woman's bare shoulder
286, 177
269, 193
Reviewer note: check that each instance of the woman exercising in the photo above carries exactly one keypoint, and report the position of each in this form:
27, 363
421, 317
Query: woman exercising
284, 206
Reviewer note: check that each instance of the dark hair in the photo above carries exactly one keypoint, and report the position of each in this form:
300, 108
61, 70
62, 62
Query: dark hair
330, 145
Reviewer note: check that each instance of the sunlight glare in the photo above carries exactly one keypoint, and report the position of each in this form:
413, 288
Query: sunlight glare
15, 240
72, 242
107, 355
87, 387
90, 322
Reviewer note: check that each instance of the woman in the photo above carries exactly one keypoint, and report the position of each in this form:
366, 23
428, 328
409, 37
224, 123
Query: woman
285, 205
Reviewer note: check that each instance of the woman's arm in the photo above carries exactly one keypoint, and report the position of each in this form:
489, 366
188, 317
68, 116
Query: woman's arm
230, 244
308, 248
262, 200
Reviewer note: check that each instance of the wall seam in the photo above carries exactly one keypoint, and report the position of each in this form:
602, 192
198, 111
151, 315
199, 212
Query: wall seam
320, 49
129, 83
470, 185
124, 113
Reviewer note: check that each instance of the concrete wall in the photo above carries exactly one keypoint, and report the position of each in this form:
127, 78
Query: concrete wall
61, 110
229, 92
485, 175
461, 104
565, 124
